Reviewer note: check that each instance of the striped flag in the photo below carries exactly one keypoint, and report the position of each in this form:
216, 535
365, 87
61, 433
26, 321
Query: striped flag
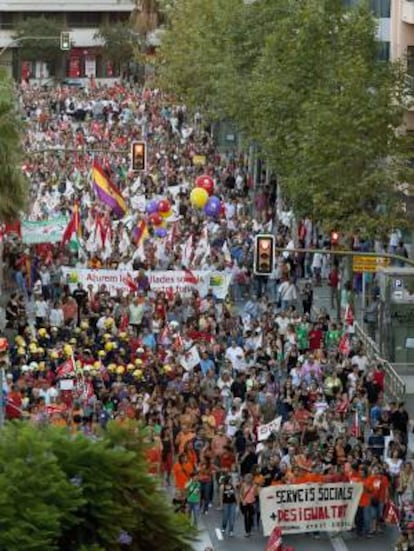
189, 277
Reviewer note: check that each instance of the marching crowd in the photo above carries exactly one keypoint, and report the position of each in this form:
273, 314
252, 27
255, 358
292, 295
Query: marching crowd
83, 355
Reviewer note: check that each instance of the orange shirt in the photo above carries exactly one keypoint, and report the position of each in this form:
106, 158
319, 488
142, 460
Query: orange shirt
181, 473
379, 485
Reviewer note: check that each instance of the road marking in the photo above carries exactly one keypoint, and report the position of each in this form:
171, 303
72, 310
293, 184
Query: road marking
219, 534
338, 543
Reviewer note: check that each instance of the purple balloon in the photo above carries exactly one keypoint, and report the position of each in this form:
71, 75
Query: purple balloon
161, 232
152, 207
213, 206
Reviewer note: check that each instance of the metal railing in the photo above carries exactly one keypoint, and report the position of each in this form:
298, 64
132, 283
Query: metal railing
394, 385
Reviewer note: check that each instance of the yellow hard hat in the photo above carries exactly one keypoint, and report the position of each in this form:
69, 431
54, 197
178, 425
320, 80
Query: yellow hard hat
123, 336
107, 336
32, 348
130, 367
167, 368
19, 340
73, 341
54, 354
68, 350
102, 353
97, 365
108, 346
120, 369
137, 373
21, 351
84, 325
42, 332
112, 368
42, 366
108, 322
94, 372
40, 351
138, 362
77, 330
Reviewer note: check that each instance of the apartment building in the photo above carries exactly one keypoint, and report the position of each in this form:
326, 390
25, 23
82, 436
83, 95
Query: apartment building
82, 18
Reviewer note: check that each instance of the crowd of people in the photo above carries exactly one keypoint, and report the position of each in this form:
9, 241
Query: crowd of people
82, 356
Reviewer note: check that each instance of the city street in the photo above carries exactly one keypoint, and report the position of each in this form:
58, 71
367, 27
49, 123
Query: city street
212, 535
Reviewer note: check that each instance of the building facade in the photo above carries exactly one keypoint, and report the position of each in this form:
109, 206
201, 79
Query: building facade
81, 18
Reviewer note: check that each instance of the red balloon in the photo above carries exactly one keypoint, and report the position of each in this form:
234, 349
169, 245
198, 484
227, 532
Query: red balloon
206, 182
155, 219
164, 205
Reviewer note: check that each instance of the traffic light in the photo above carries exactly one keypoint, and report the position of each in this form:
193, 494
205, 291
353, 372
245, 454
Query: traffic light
334, 238
139, 156
65, 41
264, 251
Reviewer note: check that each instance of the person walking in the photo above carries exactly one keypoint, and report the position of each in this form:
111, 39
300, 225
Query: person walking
193, 498
248, 493
229, 501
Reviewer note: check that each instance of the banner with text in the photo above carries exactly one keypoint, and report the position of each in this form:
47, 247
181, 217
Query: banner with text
177, 280
44, 231
299, 508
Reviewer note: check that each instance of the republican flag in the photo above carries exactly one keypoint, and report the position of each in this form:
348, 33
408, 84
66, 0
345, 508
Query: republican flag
140, 232
73, 227
189, 277
53, 409
66, 369
106, 191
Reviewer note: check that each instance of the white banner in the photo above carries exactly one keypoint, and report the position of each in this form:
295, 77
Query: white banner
264, 431
177, 280
44, 231
190, 359
300, 508
90, 66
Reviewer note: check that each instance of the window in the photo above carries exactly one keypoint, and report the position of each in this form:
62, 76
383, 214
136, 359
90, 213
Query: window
410, 60
85, 19
383, 51
381, 8
7, 20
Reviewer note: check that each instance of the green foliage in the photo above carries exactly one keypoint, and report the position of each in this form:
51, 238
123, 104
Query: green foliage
13, 184
78, 494
303, 80
119, 40
42, 49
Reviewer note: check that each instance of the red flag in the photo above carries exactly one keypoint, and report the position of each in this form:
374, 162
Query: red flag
170, 294
391, 513
275, 540
66, 369
129, 280
355, 429
73, 225
189, 277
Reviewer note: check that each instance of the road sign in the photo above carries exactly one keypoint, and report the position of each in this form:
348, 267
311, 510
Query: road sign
369, 263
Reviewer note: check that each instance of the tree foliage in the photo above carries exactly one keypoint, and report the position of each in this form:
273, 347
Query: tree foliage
45, 48
119, 42
77, 494
13, 184
303, 79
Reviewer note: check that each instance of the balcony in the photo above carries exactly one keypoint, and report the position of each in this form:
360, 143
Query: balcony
407, 11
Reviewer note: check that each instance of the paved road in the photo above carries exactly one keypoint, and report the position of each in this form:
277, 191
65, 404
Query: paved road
211, 535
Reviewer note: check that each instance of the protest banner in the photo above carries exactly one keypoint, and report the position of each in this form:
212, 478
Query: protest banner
300, 508
43, 231
175, 280
264, 431
190, 359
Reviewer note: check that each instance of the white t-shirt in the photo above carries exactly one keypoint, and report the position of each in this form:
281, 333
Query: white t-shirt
236, 356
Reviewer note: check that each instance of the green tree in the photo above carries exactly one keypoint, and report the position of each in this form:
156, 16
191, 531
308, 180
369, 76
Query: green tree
36, 497
77, 494
43, 44
303, 80
120, 42
13, 184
